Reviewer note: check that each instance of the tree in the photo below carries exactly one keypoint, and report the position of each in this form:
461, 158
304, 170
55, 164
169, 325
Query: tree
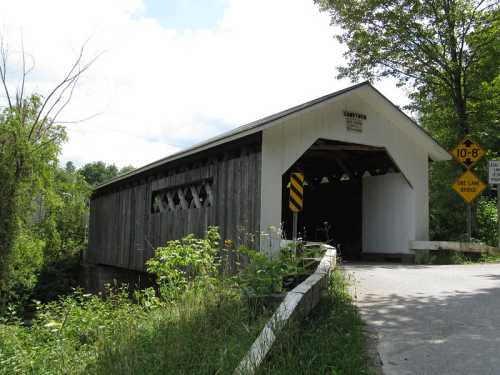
436, 115
435, 45
98, 172
30, 141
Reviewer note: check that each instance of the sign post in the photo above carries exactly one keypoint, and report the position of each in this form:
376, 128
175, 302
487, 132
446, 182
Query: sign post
494, 179
296, 202
468, 186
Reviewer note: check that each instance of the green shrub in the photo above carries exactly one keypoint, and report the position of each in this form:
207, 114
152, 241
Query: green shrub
24, 265
65, 335
263, 275
487, 221
183, 261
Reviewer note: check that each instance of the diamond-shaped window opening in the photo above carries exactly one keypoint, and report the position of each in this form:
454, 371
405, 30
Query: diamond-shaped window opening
188, 196
203, 196
164, 202
176, 200
156, 203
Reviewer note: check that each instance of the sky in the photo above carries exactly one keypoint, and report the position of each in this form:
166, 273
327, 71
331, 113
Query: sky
172, 73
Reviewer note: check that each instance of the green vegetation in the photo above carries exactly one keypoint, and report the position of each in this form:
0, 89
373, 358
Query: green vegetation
43, 206
265, 276
331, 340
181, 262
98, 172
487, 258
453, 257
207, 330
50, 235
194, 322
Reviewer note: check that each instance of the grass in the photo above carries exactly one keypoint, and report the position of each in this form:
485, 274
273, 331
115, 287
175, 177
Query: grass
454, 257
330, 341
206, 332
487, 258
204, 327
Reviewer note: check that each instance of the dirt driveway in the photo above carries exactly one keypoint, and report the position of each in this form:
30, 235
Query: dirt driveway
432, 319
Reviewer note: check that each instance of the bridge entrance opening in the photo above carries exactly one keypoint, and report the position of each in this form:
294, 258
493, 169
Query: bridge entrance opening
333, 192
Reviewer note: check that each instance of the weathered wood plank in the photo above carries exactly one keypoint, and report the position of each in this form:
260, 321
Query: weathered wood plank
124, 232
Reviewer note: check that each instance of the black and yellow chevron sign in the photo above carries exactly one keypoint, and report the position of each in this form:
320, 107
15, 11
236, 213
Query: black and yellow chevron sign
296, 192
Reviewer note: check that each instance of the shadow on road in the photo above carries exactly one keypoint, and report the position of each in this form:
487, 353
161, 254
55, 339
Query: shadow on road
426, 329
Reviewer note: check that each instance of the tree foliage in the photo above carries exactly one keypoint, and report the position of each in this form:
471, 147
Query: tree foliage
30, 143
27, 152
436, 45
98, 172
437, 115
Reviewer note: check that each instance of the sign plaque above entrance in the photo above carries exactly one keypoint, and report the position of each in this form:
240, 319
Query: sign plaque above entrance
354, 121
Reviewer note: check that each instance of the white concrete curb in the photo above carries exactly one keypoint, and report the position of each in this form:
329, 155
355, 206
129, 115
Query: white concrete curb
299, 301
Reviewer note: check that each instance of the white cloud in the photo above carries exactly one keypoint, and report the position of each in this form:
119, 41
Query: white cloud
160, 89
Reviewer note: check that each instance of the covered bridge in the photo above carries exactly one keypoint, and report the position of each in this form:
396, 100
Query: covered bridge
366, 171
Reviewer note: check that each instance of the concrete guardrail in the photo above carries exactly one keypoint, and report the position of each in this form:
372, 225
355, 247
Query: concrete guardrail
297, 303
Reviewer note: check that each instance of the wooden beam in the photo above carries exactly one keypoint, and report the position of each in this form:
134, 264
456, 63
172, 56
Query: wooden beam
171, 203
343, 166
196, 197
183, 202
327, 147
210, 197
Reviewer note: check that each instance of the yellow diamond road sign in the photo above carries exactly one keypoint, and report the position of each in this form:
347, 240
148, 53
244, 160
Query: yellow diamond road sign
468, 186
468, 152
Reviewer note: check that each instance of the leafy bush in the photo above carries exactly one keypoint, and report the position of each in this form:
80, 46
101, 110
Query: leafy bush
24, 265
183, 261
264, 276
49, 236
58, 277
487, 221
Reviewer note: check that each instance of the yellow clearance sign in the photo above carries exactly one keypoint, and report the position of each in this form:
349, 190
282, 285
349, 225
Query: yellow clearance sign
468, 186
468, 152
296, 202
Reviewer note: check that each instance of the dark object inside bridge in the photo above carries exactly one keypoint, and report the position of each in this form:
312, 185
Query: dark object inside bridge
333, 192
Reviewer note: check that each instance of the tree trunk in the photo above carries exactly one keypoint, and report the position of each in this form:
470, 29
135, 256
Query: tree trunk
461, 110
8, 232
462, 120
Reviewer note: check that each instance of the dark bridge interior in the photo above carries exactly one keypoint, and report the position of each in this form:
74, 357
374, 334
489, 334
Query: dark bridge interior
333, 192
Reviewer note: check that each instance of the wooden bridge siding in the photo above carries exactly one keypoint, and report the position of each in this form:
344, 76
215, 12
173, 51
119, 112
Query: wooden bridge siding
124, 232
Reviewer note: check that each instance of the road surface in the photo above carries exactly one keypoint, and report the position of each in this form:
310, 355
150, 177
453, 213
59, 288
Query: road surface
431, 319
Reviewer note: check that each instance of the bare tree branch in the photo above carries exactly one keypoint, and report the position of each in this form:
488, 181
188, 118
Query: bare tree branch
80, 120
56, 96
3, 69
